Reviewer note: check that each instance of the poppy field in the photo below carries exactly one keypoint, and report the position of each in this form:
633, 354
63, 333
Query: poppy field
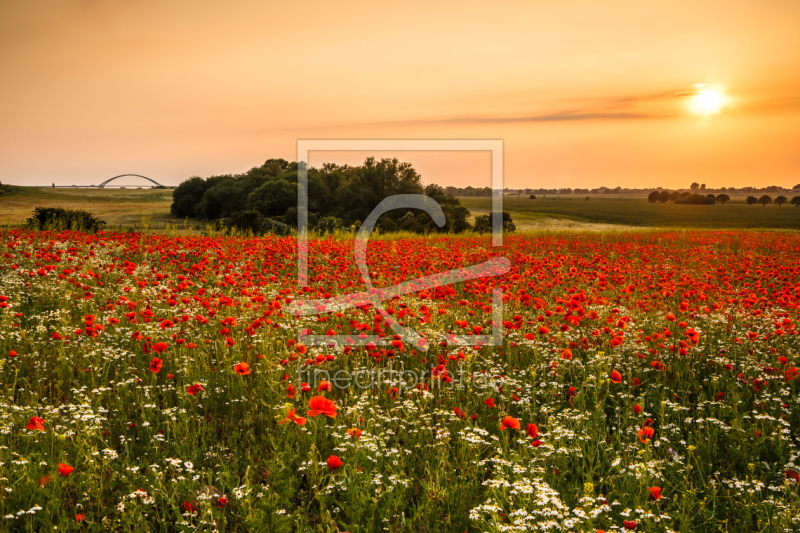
646, 381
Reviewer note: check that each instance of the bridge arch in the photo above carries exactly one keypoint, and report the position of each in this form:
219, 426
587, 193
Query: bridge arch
154, 182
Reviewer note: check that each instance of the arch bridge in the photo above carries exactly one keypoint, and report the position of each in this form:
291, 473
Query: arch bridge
154, 182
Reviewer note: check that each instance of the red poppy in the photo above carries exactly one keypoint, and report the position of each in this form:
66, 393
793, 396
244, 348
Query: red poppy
646, 434
242, 369
12, 353
566, 354
189, 507
292, 417
319, 405
616, 377
532, 430
194, 389
36, 423
655, 493
509, 422
536, 443
222, 501
354, 433
160, 347
629, 524
334, 463
324, 385
155, 365
65, 470
489, 402
79, 517
637, 408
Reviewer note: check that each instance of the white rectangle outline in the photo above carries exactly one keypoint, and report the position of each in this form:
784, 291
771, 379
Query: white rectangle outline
495, 146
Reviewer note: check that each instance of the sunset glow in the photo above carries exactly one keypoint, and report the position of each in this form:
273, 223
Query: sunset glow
583, 94
708, 100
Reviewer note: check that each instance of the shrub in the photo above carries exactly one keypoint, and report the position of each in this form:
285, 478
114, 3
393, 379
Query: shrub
58, 218
483, 223
696, 199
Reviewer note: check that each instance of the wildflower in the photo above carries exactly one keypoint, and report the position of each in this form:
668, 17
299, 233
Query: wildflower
321, 406
194, 389
566, 354
242, 369
292, 417
65, 470
222, 501
629, 524
324, 385
334, 463
36, 423
12, 353
509, 422
532, 430
616, 377
489, 402
159, 347
536, 443
646, 434
155, 365
79, 518
189, 508
354, 433
637, 408
655, 493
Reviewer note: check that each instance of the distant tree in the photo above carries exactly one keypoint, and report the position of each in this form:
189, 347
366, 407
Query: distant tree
702, 186
764, 200
722, 198
694, 186
483, 223
663, 197
796, 187
653, 197
532, 197
796, 201
696, 199
780, 200
674, 196
751, 200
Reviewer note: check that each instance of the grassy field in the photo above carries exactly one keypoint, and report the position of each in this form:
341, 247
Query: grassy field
118, 207
137, 207
637, 211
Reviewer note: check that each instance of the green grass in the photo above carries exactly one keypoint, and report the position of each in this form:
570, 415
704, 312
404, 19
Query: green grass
118, 207
637, 211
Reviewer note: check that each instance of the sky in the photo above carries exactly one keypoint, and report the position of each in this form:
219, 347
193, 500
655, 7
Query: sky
582, 93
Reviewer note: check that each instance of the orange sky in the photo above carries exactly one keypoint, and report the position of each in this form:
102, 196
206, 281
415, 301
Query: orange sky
583, 94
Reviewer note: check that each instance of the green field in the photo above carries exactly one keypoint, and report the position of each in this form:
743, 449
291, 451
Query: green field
136, 207
118, 207
637, 211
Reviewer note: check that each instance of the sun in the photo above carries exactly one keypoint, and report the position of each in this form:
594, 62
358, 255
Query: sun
707, 100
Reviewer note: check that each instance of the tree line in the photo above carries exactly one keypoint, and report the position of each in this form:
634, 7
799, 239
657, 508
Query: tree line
711, 199
264, 199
